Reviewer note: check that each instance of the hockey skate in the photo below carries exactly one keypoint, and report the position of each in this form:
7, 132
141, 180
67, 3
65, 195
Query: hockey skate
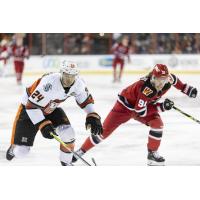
80, 152
154, 159
66, 164
9, 154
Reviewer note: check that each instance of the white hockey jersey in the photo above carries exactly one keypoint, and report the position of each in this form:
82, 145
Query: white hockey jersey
45, 95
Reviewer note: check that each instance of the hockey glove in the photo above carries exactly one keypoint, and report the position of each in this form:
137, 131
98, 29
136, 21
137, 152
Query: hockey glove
167, 105
93, 122
190, 91
46, 128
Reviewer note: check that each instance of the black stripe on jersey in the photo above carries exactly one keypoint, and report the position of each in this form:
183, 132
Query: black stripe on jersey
174, 79
157, 134
40, 107
31, 108
86, 102
166, 86
126, 103
28, 92
142, 113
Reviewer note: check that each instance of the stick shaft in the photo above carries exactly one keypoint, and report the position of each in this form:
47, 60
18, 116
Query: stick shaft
65, 145
187, 115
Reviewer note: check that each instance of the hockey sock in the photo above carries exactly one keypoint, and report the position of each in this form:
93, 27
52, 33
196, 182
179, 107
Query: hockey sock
154, 139
65, 154
90, 142
87, 145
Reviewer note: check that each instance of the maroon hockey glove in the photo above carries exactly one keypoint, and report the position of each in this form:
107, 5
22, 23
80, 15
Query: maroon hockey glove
93, 122
190, 91
167, 105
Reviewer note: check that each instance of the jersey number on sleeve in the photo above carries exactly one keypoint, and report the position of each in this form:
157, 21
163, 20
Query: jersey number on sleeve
37, 95
141, 103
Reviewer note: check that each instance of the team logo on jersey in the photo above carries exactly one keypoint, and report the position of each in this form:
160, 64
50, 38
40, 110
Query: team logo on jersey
147, 91
47, 87
24, 139
51, 106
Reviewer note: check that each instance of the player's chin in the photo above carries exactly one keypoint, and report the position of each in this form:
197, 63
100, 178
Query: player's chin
159, 88
67, 84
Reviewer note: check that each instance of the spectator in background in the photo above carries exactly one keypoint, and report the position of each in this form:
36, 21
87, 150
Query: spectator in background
120, 51
116, 37
143, 41
86, 44
19, 52
4, 55
188, 43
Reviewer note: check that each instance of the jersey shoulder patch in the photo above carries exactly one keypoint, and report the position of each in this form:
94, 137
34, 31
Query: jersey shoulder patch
49, 81
47, 87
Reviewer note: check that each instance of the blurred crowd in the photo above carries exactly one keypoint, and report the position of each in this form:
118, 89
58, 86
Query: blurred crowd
166, 43
91, 43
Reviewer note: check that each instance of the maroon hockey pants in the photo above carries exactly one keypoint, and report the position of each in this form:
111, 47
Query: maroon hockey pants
19, 68
119, 115
114, 65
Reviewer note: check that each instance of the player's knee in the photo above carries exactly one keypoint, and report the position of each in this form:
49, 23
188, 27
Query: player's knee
66, 133
21, 150
156, 124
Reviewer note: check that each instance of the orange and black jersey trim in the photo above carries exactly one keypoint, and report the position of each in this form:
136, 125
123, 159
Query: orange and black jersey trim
30, 89
86, 102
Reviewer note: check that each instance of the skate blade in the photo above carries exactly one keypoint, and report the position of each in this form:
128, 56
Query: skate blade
154, 163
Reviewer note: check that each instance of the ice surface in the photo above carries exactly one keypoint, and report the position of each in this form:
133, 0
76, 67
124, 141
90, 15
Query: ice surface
127, 145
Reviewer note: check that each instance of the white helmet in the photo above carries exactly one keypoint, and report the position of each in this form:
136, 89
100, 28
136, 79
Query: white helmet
69, 67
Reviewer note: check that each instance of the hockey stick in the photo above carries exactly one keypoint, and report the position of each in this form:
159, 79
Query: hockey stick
187, 115
70, 150
93, 160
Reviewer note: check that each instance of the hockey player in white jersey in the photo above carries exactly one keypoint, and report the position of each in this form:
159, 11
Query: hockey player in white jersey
39, 111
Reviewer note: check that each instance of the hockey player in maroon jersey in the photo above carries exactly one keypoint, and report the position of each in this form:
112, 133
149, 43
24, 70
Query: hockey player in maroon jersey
4, 51
19, 52
140, 102
120, 51
4, 55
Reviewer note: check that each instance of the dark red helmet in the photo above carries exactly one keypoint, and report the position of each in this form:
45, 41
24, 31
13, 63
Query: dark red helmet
160, 70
